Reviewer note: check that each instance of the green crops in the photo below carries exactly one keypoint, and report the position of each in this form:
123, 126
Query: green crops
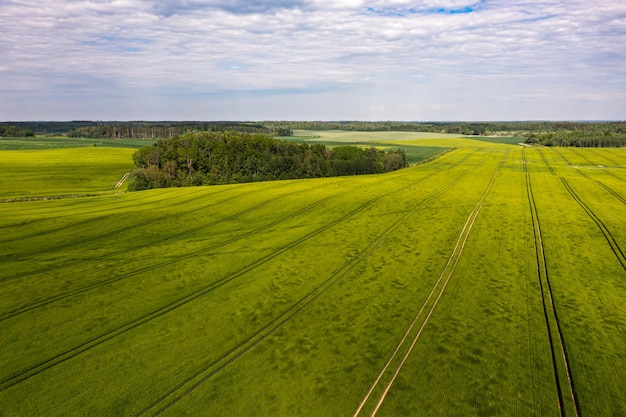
490, 281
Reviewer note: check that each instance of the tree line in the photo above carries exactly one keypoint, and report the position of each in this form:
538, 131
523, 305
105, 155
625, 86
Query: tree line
207, 158
166, 129
586, 139
163, 130
464, 128
15, 131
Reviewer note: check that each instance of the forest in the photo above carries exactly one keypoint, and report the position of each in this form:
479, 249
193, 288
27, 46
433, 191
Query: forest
581, 139
143, 130
15, 131
168, 129
206, 158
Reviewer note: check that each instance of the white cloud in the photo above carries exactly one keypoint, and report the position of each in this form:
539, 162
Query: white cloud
212, 51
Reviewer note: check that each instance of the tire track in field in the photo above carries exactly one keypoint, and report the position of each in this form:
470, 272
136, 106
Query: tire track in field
68, 354
110, 233
606, 188
181, 234
606, 158
440, 284
58, 297
137, 247
90, 220
605, 231
610, 191
77, 225
589, 162
545, 161
161, 240
549, 308
130, 204
184, 388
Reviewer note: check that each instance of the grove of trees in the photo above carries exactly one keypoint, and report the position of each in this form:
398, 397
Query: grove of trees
163, 130
586, 139
203, 158
15, 131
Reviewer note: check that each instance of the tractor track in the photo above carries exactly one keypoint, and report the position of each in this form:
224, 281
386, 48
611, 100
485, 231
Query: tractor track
137, 225
447, 272
49, 300
545, 161
606, 188
191, 383
588, 161
165, 239
617, 250
161, 240
27, 373
605, 231
549, 308
606, 158
110, 216
128, 205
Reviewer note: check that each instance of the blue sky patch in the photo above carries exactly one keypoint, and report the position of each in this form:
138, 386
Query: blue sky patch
394, 11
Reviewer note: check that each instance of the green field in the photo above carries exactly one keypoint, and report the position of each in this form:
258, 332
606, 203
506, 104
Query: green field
56, 142
63, 171
490, 281
380, 140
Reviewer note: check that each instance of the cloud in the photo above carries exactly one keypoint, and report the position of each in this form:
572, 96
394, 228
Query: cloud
383, 53
171, 7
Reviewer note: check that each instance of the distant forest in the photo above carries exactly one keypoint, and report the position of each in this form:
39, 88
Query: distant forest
598, 134
582, 139
204, 158
15, 131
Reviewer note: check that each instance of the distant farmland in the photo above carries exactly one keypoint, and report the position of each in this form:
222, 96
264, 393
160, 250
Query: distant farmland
489, 281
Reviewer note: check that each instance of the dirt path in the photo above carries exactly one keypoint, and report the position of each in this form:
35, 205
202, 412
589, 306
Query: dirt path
120, 182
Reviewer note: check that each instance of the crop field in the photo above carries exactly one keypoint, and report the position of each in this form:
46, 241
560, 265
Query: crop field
56, 142
381, 140
64, 171
490, 281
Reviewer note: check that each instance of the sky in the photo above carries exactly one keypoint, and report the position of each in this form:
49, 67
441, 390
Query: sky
431, 60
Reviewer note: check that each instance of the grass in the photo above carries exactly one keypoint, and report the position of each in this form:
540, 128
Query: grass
288, 298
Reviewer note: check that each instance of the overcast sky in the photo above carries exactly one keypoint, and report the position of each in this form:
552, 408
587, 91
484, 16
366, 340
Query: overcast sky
312, 60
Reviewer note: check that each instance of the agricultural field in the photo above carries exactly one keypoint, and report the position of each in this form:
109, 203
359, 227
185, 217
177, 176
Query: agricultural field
381, 140
37, 173
490, 281
56, 142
